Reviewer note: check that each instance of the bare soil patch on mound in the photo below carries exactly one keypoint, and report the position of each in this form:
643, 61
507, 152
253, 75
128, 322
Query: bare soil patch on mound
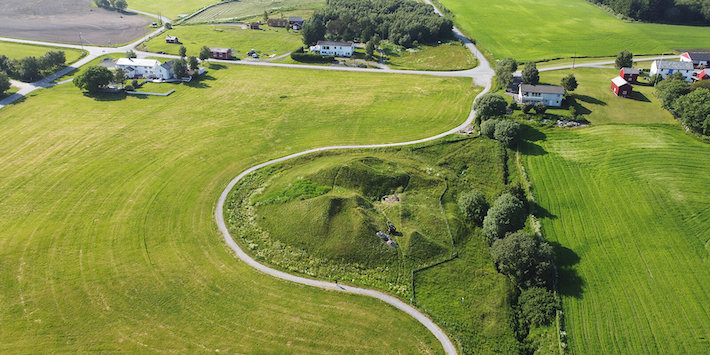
63, 21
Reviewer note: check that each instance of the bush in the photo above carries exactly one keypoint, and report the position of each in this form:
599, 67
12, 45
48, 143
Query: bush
517, 191
474, 206
506, 215
488, 128
526, 259
513, 106
540, 108
527, 107
507, 132
538, 306
129, 87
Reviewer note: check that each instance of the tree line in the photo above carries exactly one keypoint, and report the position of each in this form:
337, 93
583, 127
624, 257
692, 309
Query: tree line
406, 23
120, 5
31, 68
690, 103
661, 10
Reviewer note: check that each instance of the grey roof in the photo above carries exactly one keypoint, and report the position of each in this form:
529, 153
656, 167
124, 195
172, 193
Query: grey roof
699, 56
295, 18
543, 89
668, 64
168, 65
334, 43
631, 70
219, 49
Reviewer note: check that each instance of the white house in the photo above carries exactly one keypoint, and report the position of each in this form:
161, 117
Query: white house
337, 49
551, 95
696, 58
145, 68
667, 67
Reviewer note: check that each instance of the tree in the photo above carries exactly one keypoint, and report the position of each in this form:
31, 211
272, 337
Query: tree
474, 206
538, 306
266, 16
313, 30
93, 79
204, 53
527, 260
573, 112
131, 54
655, 79
694, 86
490, 105
504, 72
488, 128
376, 40
507, 132
180, 68
624, 59
28, 69
192, 62
4, 83
102, 3
119, 76
182, 51
693, 110
540, 108
530, 73
569, 82
52, 59
506, 215
120, 5
168, 26
369, 49
527, 107
670, 90
504, 80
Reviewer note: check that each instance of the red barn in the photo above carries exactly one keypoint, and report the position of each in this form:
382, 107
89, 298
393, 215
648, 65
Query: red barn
220, 53
171, 39
621, 87
629, 74
704, 75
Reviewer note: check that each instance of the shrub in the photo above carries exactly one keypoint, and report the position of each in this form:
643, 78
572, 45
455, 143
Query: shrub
513, 106
538, 306
527, 107
540, 108
526, 259
506, 215
507, 132
488, 128
474, 206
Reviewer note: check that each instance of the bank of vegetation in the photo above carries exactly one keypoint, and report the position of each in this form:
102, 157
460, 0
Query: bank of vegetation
676, 11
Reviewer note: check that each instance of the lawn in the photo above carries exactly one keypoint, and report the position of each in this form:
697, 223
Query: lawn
239, 10
21, 50
627, 205
268, 41
108, 241
538, 30
169, 8
446, 56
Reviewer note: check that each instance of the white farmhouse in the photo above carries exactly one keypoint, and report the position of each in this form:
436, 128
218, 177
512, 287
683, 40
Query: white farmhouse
337, 49
667, 67
551, 95
145, 68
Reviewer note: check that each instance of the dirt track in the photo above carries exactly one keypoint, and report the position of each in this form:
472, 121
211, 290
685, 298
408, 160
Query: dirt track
63, 20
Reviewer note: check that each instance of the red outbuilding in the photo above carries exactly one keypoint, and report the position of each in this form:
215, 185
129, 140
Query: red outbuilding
704, 75
629, 74
621, 87
171, 39
220, 53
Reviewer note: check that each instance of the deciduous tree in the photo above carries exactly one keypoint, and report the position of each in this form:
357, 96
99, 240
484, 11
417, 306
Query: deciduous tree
526, 259
490, 105
474, 206
530, 74
624, 59
538, 306
569, 82
204, 53
93, 79
506, 215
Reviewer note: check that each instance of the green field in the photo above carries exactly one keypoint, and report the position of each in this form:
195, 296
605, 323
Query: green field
239, 10
628, 206
538, 30
169, 8
268, 41
447, 56
108, 241
20, 50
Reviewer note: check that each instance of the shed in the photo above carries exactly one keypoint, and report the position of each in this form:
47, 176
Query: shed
629, 74
171, 39
254, 26
704, 75
621, 87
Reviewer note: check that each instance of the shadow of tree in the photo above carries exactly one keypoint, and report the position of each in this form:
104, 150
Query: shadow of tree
571, 101
590, 100
541, 212
570, 283
217, 66
639, 96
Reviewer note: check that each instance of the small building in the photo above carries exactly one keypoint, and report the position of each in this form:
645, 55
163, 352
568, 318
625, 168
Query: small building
550, 95
337, 49
296, 20
254, 26
667, 67
220, 53
621, 87
144, 68
171, 39
296, 27
704, 74
278, 22
630, 74
698, 59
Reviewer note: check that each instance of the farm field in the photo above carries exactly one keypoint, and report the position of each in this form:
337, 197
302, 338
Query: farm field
238, 10
108, 242
531, 30
447, 56
19, 50
628, 206
169, 8
268, 41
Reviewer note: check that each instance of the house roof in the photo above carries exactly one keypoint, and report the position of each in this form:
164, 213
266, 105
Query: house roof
137, 62
171, 37
668, 64
168, 66
631, 70
703, 74
295, 18
220, 49
334, 43
697, 56
619, 81
543, 89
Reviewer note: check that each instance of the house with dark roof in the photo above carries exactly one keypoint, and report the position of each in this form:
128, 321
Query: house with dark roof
629, 74
668, 67
277, 22
295, 20
334, 48
550, 95
697, 58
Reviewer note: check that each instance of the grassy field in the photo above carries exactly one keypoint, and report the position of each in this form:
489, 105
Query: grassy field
238, 10
319, 215
628, 206
20, 50
538, 30
447, 56
169, 8
267, 41
108, 241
